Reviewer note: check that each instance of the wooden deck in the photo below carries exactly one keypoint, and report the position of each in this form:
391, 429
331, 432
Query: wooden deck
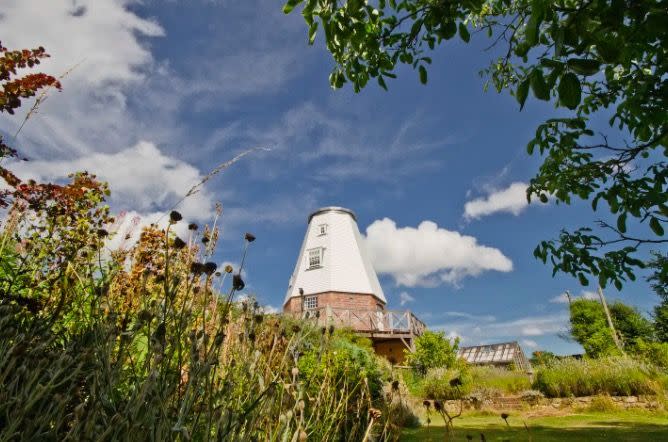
388, 324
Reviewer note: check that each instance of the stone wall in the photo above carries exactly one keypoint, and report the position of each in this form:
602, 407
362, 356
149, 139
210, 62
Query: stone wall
517, 403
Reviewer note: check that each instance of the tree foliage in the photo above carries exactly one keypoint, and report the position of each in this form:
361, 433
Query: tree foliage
433, 350
606, 58
589, 327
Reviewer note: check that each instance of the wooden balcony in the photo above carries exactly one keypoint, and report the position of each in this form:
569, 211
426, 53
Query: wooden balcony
389, 324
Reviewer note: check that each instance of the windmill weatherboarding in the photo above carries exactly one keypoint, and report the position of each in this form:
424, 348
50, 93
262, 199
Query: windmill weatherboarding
334, 283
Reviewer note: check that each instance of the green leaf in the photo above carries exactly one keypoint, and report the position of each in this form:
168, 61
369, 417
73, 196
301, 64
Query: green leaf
583, 280
448, 30
570, 91
584, 66
656, 226
312, 32
621, 222
381, 82
538, 85
290, 5
522, 92
415, 29
464, 33
423, 74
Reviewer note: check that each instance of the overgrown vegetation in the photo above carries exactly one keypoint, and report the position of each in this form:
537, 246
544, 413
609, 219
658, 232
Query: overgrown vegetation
614, 376
147, 341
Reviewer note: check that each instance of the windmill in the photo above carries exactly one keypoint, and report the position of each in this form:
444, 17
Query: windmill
334, 283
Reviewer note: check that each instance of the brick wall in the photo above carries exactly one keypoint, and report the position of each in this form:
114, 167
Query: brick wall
350, 301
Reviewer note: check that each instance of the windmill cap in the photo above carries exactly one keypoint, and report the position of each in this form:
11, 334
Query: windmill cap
332, 209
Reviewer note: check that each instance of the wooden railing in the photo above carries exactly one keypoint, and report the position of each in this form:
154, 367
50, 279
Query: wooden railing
383, 322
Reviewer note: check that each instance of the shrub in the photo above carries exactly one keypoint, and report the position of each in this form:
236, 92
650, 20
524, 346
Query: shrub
432, 350
615, 376
447, 383
602, 404
655, 353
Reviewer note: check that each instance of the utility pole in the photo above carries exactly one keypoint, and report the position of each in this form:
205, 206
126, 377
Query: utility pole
615, 337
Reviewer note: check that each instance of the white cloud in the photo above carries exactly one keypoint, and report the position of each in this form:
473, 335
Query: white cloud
103, 39
529, 343
405, 298
428, 255
584, 294
141, 178
476, 331
512, 199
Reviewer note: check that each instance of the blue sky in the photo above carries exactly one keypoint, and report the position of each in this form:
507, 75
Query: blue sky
163, 91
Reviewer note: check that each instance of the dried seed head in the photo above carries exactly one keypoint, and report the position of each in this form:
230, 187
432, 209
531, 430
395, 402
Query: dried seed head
102, 233
295, 371
438, 406
237, 282
210, 267
375, 413
427, 404
331, 329
192, 226
249, 237
197, 268
229, 269
303, 436
175, 216
178, 243
395, 385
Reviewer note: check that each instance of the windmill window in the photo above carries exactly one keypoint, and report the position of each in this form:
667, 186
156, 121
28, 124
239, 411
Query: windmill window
310, 302
315, 258
322, 229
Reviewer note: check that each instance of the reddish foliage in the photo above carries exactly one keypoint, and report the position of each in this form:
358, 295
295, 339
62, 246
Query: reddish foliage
11, 93
25, 87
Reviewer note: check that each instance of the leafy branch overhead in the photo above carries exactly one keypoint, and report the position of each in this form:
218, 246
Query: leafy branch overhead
593, 58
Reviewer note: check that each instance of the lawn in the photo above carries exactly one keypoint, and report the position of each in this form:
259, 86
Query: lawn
589, 427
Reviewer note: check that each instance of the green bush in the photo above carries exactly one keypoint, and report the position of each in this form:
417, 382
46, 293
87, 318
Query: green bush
655, 353
447, 383
615, 376
602, 404
432, 350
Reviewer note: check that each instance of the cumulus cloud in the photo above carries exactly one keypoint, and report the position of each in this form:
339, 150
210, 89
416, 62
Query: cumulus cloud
141, 177
512, 199
584, 294
429, 255
405, 298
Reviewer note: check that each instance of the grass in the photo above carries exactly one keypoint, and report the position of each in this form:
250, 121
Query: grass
616, 376
587, 426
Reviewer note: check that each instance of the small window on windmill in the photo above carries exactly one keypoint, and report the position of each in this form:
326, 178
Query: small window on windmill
310, 302
315, 258
322, 229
